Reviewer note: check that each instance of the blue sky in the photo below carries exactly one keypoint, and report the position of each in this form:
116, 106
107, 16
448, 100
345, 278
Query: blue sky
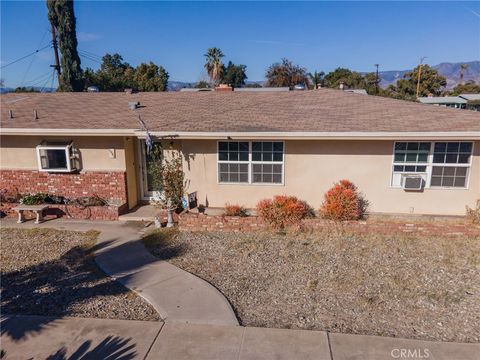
316, 35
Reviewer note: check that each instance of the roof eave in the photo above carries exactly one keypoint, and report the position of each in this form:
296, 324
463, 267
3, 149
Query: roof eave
380, 135
67, 132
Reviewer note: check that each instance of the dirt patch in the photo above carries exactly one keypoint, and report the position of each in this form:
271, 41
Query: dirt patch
53, 272
400, 285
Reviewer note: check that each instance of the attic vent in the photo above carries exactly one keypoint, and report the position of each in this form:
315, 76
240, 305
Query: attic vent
134, 105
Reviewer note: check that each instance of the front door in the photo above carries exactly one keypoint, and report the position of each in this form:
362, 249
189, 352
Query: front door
149, 169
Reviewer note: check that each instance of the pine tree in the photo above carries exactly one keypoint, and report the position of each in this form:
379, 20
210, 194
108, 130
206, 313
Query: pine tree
62, 17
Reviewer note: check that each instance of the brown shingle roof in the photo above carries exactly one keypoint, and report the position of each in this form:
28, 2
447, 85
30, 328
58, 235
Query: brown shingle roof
303, 111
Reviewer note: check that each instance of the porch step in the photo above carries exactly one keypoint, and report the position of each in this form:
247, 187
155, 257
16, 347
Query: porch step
140, 213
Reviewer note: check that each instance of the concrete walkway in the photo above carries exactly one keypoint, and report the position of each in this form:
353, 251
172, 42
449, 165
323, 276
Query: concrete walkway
177, 295
39, 337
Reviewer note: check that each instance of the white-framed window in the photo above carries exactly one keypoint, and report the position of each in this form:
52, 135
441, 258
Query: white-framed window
451, 164
251, 162
56, 157
410, 158
443, 164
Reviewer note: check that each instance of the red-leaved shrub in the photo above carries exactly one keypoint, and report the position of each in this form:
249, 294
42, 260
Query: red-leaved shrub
283, 211
343, 202
234, 210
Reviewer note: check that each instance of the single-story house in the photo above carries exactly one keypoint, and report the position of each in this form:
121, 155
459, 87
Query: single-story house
462, 101
240, 147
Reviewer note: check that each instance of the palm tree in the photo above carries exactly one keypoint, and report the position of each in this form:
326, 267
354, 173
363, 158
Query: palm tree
463, 70
316, 78
213, 64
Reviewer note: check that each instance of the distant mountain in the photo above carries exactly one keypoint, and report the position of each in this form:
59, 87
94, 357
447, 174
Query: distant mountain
450, 70
177, 85
4, 90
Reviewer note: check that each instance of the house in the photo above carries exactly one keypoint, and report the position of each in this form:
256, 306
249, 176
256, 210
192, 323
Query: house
240, 147
462, 101
473, 101
456, 102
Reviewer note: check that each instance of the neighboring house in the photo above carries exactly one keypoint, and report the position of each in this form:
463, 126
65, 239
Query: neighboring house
242, 147
462, 101
357, 91
448, 101
473, 101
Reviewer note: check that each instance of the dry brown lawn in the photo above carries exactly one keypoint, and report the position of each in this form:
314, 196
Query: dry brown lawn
53, 272
404, 285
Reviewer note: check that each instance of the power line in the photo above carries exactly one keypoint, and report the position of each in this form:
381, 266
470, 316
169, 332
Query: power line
91, 54
40, 77
46, 82
33, 59
26, 56
89, 58
53, 80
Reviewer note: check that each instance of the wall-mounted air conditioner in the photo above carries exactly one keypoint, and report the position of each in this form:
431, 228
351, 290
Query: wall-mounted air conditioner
413, 183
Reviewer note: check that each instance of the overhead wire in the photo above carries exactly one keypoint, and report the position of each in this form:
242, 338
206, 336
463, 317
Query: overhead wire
39, 77
90, 56
33, 58
26, 56
46, 82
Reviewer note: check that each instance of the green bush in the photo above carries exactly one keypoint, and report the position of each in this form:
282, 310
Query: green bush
33, 199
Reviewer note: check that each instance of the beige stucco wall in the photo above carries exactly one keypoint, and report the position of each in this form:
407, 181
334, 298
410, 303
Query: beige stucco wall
97, 152
311, 167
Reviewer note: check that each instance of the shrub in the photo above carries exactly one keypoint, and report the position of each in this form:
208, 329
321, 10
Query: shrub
283, 211
343, 202
473, 215
234, 210
33, 199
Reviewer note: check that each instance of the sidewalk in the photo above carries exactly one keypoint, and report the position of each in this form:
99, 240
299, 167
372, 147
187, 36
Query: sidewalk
38, 337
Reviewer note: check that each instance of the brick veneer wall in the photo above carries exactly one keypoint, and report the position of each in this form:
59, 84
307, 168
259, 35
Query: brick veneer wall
200, 222
109, 185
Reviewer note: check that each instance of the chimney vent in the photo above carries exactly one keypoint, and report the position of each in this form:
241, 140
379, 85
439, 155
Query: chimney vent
35, 115
10, 114
224, 88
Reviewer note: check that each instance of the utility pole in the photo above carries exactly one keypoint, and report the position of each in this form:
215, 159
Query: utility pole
55, 52
376, 79
419, 74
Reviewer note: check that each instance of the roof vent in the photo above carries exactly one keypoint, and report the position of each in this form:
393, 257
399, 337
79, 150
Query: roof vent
10, 114
93, 89
128, 91
35, 115
133, 105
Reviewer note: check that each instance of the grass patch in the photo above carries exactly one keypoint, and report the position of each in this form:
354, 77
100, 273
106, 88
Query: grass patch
53, 272
403, 285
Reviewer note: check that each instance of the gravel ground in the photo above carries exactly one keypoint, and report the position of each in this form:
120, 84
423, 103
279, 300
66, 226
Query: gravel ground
52, 272
398, 285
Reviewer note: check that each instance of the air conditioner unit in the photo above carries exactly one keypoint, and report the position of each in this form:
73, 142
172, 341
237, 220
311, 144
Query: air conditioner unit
413, 183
